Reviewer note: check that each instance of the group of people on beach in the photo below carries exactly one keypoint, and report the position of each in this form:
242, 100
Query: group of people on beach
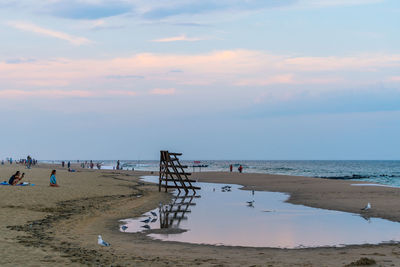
28, 162
240, 168
16, 179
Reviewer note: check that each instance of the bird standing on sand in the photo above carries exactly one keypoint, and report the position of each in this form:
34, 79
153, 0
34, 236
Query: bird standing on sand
101, 242
147, 220
367, 207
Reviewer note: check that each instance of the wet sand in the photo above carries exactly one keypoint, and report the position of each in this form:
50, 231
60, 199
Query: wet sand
43, 226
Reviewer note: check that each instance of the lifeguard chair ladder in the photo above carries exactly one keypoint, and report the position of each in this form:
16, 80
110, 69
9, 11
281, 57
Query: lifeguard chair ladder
173, 175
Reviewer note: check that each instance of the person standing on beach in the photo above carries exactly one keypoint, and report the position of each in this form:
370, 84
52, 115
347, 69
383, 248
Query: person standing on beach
69, 164
230, 168
53, 181
117, 164
62, 164
240, 169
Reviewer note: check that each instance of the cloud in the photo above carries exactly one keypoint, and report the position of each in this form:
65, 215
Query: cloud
97, 25
193, 7
45, 93
161, 91
119, 77
19, 60
87, 9
30, 27
63, 93
178, 38
249, 71
329, 3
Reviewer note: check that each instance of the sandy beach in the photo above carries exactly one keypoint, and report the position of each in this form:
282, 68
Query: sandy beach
44, 226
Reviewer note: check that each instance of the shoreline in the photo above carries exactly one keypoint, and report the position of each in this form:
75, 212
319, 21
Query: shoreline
60, 226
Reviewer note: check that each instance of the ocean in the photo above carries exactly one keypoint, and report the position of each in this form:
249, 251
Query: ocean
385, 172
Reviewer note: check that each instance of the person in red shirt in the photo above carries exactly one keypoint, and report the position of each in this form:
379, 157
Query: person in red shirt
240, 168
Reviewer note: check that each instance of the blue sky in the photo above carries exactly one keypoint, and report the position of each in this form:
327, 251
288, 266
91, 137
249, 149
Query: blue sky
255, 79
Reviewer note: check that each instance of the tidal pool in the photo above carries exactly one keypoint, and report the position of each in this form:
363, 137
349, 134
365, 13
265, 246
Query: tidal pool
225, 215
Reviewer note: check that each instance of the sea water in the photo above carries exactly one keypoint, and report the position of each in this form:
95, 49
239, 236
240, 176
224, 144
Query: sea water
230, 216
377, 171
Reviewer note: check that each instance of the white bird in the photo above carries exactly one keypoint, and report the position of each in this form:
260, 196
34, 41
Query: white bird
101, 242
147, 220
153, 213
367, 207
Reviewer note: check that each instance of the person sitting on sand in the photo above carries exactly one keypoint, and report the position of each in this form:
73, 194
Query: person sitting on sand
15, 178
53, 181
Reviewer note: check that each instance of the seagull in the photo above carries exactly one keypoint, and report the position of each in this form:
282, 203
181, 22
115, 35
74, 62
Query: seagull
124, 227
101, 242
367, 207
250, 202
153, 213
146, 226
147, 220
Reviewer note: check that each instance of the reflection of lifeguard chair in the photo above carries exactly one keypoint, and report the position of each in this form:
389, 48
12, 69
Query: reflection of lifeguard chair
173, 175
171, 215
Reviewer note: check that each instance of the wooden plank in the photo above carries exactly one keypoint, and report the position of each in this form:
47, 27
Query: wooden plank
182, 187
179, 211
180, 173
182, 166
194, 196
175, 154
170, 180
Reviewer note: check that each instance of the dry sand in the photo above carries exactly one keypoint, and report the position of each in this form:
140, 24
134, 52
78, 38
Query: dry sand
44, 226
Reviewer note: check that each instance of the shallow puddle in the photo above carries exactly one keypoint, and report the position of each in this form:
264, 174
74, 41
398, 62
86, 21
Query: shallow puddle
229, 216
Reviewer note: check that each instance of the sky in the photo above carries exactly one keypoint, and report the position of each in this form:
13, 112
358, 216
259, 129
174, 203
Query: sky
227, 79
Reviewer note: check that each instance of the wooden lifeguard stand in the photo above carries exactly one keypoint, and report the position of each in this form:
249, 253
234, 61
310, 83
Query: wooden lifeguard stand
172, 173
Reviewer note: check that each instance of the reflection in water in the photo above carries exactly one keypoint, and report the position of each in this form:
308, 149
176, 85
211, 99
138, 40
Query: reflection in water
261, 219
172, 214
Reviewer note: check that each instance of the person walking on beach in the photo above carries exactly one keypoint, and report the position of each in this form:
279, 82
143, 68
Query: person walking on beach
240, 169
53, 181
230, 168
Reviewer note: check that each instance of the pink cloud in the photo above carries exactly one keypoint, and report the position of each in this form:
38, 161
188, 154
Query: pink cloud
178, 38
160, 91
219, 68
30, 27
62, 93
